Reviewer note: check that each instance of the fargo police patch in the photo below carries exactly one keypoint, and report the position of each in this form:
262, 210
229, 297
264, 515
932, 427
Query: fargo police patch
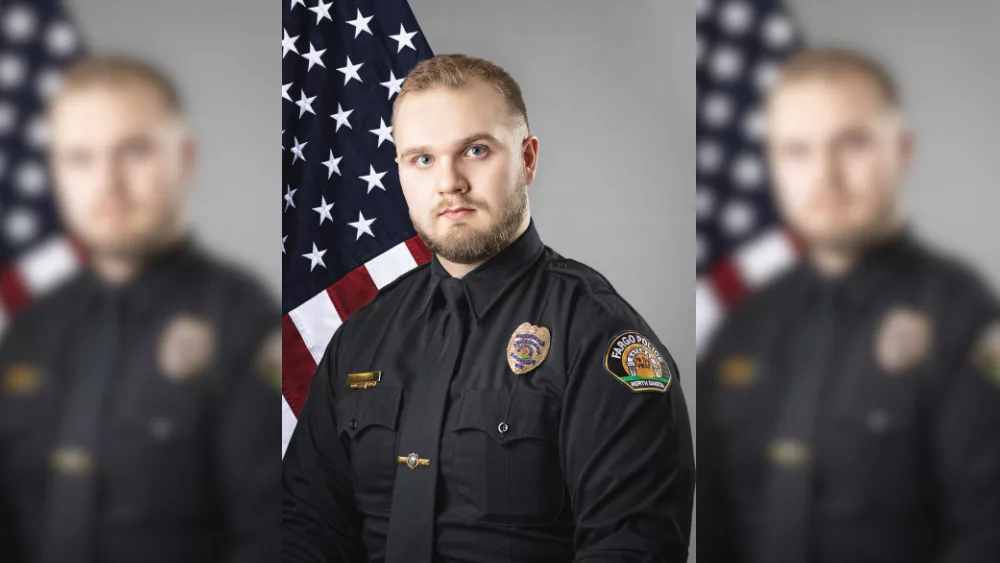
634, 360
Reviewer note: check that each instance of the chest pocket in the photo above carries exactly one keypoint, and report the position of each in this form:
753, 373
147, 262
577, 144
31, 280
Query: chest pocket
367, 418
507, 465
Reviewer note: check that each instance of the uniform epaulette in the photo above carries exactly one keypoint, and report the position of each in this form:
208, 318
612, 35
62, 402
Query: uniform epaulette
389, 286
591, 279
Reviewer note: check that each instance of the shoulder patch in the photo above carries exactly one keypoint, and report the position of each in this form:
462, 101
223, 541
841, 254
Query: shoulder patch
268, 361
634, 360
986, 352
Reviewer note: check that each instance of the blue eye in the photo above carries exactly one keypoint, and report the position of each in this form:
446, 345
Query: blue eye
422, 160
476, 150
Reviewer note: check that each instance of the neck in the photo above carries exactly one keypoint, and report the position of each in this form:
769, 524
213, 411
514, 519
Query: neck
119, 268
834, 261
459, 271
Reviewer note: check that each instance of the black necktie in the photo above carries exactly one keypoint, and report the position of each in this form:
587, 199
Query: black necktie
73, 487
411, 523
790, 489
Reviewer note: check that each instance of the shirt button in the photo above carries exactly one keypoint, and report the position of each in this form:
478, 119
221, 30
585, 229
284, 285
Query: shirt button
502, 428
354, 423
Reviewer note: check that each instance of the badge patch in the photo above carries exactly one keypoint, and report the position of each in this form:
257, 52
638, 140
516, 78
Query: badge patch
269, 360
635, 361
528, 347
902, 340
20, 379
737, 371
186, 347
986, 352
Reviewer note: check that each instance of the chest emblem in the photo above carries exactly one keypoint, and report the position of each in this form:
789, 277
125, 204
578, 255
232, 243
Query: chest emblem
187, 345
902, 340
20, 379
634, 360
528, 347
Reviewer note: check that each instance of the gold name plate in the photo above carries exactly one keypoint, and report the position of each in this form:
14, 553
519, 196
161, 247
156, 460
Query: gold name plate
364, 380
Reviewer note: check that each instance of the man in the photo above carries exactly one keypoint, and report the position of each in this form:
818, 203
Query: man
501, 403
850, 412
137, 401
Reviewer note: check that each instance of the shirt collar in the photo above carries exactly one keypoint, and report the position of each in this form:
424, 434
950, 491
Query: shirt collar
484, 285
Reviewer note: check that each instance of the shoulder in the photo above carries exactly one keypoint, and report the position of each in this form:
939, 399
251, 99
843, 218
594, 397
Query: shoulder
587, 288
51, 307
231, 287
946, 274
389, 295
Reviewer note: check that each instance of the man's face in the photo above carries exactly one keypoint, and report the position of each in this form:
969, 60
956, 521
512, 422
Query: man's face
838, 154
463, 170
121, 163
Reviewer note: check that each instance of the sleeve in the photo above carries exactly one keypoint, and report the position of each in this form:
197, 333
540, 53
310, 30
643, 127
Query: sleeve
9, 548
966, 449
627, 454
247, 438
319, 518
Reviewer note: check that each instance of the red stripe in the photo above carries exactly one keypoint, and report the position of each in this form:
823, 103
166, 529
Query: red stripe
352, 292
297, 366
419, 250
14, 293
727, 282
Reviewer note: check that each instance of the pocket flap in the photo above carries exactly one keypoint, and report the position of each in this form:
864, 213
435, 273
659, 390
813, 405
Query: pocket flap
362, 408
531, 415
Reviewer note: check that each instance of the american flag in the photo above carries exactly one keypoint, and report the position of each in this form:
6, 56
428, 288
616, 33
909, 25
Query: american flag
37, 42
346, 228
741, 244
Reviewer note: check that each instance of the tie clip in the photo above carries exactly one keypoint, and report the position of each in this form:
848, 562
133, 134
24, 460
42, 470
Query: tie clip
363, 380
413, 460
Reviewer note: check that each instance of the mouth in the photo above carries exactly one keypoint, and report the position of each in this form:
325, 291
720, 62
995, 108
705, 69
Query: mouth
456, 212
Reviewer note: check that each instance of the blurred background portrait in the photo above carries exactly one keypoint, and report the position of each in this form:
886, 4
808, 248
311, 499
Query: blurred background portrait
846, 302
139, 334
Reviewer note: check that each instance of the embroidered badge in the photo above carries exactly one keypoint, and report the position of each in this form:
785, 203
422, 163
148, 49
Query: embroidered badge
634, 360
20, 379
186, 347
528, 347
737, 371
986, 352
269, 360
902, 340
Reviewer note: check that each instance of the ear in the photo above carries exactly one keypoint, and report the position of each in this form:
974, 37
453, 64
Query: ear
529, 154
189, 159
907, 146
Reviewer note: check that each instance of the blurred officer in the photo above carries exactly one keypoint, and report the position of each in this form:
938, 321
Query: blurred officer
138, 417
850, 412
501, 403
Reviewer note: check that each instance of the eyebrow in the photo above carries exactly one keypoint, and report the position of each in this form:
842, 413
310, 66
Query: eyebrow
468, 140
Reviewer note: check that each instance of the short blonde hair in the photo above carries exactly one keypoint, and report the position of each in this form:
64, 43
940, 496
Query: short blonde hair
834, 62
456, 71
118, 70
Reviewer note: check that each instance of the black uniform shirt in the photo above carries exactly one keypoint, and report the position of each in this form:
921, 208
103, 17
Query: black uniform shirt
140, 423
574, 460
845, 421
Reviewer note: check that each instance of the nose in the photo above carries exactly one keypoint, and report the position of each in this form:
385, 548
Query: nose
450, 179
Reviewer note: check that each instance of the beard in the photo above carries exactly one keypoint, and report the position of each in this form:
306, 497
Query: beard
463, 245
860, 238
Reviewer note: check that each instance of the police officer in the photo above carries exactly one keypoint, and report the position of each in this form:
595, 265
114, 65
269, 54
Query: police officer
501, 403
137, 402
850, 411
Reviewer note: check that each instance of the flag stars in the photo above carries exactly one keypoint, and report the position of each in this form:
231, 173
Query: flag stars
315, 257
288, 44
384, 132
289, 195
393, 84
322, 11
341, 117
350, 71
364, 226
324, 210
305, 104
283, 239
332, 165
284, 92
360, 24
314, 57
297, 150
296, 3
404, 39
374, 179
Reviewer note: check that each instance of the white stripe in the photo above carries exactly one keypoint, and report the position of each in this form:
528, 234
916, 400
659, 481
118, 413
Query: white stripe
3, 320
390, 265
47, 265
709, 312
288, 421
316, 320
762, 259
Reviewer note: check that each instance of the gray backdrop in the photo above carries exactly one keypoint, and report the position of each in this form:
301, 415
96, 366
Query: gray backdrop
944, 56
224, 56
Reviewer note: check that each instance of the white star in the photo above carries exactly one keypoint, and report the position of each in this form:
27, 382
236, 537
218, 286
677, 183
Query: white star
363, 226
350, 71
288, 44
322, 11
373, 178
361, 24
283, 239
341, 117
284, 92
313, 56
305, 104
404, 39
19, 24
315, 257
393, 84
324, 210
331, 165
296, 3
289, 194
297, 150
384, 132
